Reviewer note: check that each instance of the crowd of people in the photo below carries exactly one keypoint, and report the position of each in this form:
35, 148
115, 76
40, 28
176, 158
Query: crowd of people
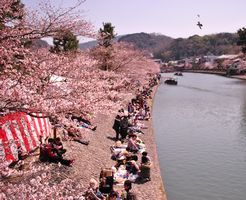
51, 150
132, 163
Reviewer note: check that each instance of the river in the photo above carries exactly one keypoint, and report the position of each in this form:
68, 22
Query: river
200, 128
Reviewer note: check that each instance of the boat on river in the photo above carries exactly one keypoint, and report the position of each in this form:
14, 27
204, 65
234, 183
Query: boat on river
178, 74
171, 81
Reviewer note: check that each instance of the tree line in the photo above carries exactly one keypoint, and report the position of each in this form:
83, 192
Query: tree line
166, 48
216, 44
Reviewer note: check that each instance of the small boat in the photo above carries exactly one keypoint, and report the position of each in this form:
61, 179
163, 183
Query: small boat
178, 74
171, 81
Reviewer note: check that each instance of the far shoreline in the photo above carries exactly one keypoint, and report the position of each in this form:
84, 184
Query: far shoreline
240, 77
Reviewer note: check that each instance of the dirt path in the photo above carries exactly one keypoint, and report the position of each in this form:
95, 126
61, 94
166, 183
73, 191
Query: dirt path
90, 159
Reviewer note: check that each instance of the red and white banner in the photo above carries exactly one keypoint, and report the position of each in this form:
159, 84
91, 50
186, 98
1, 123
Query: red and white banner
19, 130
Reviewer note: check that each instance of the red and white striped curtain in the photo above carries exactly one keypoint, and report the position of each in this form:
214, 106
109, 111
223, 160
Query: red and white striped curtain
19, 130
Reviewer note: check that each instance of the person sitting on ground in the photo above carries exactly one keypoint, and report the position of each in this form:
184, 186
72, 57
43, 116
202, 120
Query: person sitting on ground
130, 108
124, 156
134, 103
132, 166
76, 135
21, 156
113, 196
118, 145
144, 174
116, 149
135, 125
106, 180
142, 114
127, 194
133, 143
145, 158
59, 146
147, 112
85, 123
93, 193
48, 154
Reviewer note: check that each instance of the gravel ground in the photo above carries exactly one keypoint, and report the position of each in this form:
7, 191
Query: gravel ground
89, 160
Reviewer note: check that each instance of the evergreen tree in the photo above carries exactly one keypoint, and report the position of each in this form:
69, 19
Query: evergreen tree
105, 41
65, 41
106, 35
242, 39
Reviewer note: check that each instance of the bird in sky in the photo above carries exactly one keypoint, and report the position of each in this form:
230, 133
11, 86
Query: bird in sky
199, 25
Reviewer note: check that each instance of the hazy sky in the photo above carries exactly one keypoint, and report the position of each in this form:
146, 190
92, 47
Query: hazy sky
175, 18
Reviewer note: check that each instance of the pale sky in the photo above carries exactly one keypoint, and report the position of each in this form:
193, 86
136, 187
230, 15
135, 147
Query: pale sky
174, 18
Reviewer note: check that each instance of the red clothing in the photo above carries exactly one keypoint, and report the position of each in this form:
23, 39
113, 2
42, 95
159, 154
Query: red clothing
49, 151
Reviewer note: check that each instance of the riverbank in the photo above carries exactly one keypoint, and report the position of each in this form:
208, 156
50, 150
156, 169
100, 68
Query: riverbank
241, 77
206, 72
90, 159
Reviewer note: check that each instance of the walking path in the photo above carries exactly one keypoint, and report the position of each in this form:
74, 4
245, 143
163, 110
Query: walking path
89, 160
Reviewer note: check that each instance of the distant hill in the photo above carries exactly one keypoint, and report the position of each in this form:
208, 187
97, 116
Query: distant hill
216, 44
151, 42
91, 44
167, 48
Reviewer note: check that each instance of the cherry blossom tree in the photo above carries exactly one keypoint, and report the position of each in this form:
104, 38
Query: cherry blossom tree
27, 76
21, 70
34, 81
133, 65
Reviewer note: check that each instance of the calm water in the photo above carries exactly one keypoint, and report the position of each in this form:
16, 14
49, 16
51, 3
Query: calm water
200, 127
